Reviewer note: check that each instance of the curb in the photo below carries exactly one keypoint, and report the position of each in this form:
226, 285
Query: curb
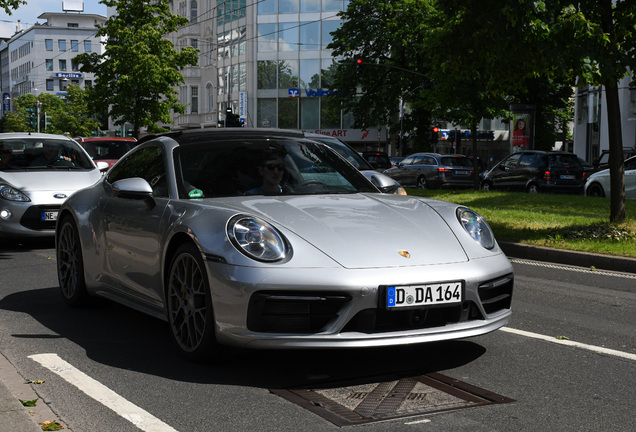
561, 256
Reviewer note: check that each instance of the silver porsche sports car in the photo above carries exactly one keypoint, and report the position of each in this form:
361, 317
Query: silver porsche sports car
262, 238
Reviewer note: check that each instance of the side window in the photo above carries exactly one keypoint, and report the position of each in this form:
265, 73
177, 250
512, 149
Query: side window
630, 165
147, 163
526, 160
408, 161
511, 162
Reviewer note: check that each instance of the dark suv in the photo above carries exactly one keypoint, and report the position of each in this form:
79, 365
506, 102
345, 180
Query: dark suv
537, 171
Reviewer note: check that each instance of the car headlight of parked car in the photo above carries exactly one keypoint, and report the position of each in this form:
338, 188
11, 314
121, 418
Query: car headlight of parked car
12, 194
476, 227
257, 239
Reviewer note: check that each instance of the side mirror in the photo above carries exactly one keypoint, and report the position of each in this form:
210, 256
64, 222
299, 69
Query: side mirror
134, 188
102, 166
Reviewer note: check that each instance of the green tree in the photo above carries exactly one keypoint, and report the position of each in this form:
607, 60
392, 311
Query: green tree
599, 37
8, 5
140, 68
73, 116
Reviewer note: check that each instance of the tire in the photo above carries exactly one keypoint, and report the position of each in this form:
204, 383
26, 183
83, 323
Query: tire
70, 264
532, 188
189, 306
421, 183
595, 190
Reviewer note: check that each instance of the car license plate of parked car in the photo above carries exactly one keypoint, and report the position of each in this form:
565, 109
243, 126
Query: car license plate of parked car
423, 295
49, 216
463, 172
567, 177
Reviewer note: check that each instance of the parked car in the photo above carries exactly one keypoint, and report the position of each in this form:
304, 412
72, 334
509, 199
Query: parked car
107, 149
37, 173
174, 231
433, 170
384, 183
395, 160
598, 184
603, 160
537, 171
379, 160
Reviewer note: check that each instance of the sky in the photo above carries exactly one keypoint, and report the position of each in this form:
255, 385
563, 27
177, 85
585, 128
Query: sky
28, 14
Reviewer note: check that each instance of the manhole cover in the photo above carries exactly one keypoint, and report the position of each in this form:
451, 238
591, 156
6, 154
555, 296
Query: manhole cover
406, 397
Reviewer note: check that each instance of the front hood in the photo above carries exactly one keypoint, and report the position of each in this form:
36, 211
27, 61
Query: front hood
36, 183
363, 231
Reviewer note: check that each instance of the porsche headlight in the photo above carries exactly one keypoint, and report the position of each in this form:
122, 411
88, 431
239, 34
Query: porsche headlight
12, 194
476, 227
257, 239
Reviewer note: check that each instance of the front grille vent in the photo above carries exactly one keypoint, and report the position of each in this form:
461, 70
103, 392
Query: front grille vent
286, 312
496, 294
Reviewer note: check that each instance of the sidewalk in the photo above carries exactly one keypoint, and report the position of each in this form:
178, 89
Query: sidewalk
16, 417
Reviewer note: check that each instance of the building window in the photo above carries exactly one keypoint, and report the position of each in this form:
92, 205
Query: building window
63, 84
288, 33
72, 25
327, 28
193, 11
87, 46
267, 7
61, 44
287, 6
331, 5
62, 65
49, 64
194, 100
267, 38
309, 36
74, 65
48, 43
209, 97
194, 43
74, 45
50, 85
88, 84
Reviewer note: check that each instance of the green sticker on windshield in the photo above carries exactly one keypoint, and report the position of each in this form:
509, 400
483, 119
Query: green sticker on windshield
196, 193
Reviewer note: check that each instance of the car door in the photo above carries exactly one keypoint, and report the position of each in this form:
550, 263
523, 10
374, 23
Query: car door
503, 175
133, 227
402, 173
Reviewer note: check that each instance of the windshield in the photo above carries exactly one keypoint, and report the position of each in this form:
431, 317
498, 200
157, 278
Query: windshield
264, 167
102, 149
345, 151
42, 153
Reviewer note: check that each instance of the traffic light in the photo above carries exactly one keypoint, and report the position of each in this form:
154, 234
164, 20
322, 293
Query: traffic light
359, 66
231, 119
434, 135
47, 121
397, 142
31, 118
118, 132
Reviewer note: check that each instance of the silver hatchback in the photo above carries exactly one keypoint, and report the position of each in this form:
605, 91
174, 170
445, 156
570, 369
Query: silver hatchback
38, 172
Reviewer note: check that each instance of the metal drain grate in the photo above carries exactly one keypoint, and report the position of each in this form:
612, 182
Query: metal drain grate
406, 397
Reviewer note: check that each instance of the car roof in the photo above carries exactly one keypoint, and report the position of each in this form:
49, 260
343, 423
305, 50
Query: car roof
26, 135
93, 139
187, 137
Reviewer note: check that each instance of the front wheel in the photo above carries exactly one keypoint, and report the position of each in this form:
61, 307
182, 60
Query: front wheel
70, 264
595, 190
190, 314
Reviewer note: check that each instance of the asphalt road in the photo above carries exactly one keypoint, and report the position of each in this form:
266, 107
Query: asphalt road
567, 359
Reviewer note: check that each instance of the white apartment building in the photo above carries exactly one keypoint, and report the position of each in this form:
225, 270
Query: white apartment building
590, 127
40, 58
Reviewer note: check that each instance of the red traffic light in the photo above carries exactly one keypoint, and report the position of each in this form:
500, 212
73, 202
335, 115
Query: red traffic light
359, 61
435, 129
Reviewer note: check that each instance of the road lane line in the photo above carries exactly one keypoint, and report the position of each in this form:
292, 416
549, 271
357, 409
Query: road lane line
567, 342
96, 390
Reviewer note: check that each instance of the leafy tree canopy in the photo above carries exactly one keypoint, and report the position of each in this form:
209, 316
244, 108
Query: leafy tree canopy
139, 69
9, 5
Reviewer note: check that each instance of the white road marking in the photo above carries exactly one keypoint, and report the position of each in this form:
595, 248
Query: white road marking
567, 342
418, 422
131, 412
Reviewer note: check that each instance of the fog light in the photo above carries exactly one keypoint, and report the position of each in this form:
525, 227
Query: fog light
5, 214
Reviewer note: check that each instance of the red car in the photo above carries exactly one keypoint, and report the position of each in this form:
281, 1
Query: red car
107, 149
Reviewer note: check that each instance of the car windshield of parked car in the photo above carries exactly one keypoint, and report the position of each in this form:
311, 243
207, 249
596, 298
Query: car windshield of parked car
260, 166
565, 161
102, 150
42, 154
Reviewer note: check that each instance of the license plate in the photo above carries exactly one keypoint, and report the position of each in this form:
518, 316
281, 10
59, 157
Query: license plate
461, 172
568, 177
423, 295
49, 216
